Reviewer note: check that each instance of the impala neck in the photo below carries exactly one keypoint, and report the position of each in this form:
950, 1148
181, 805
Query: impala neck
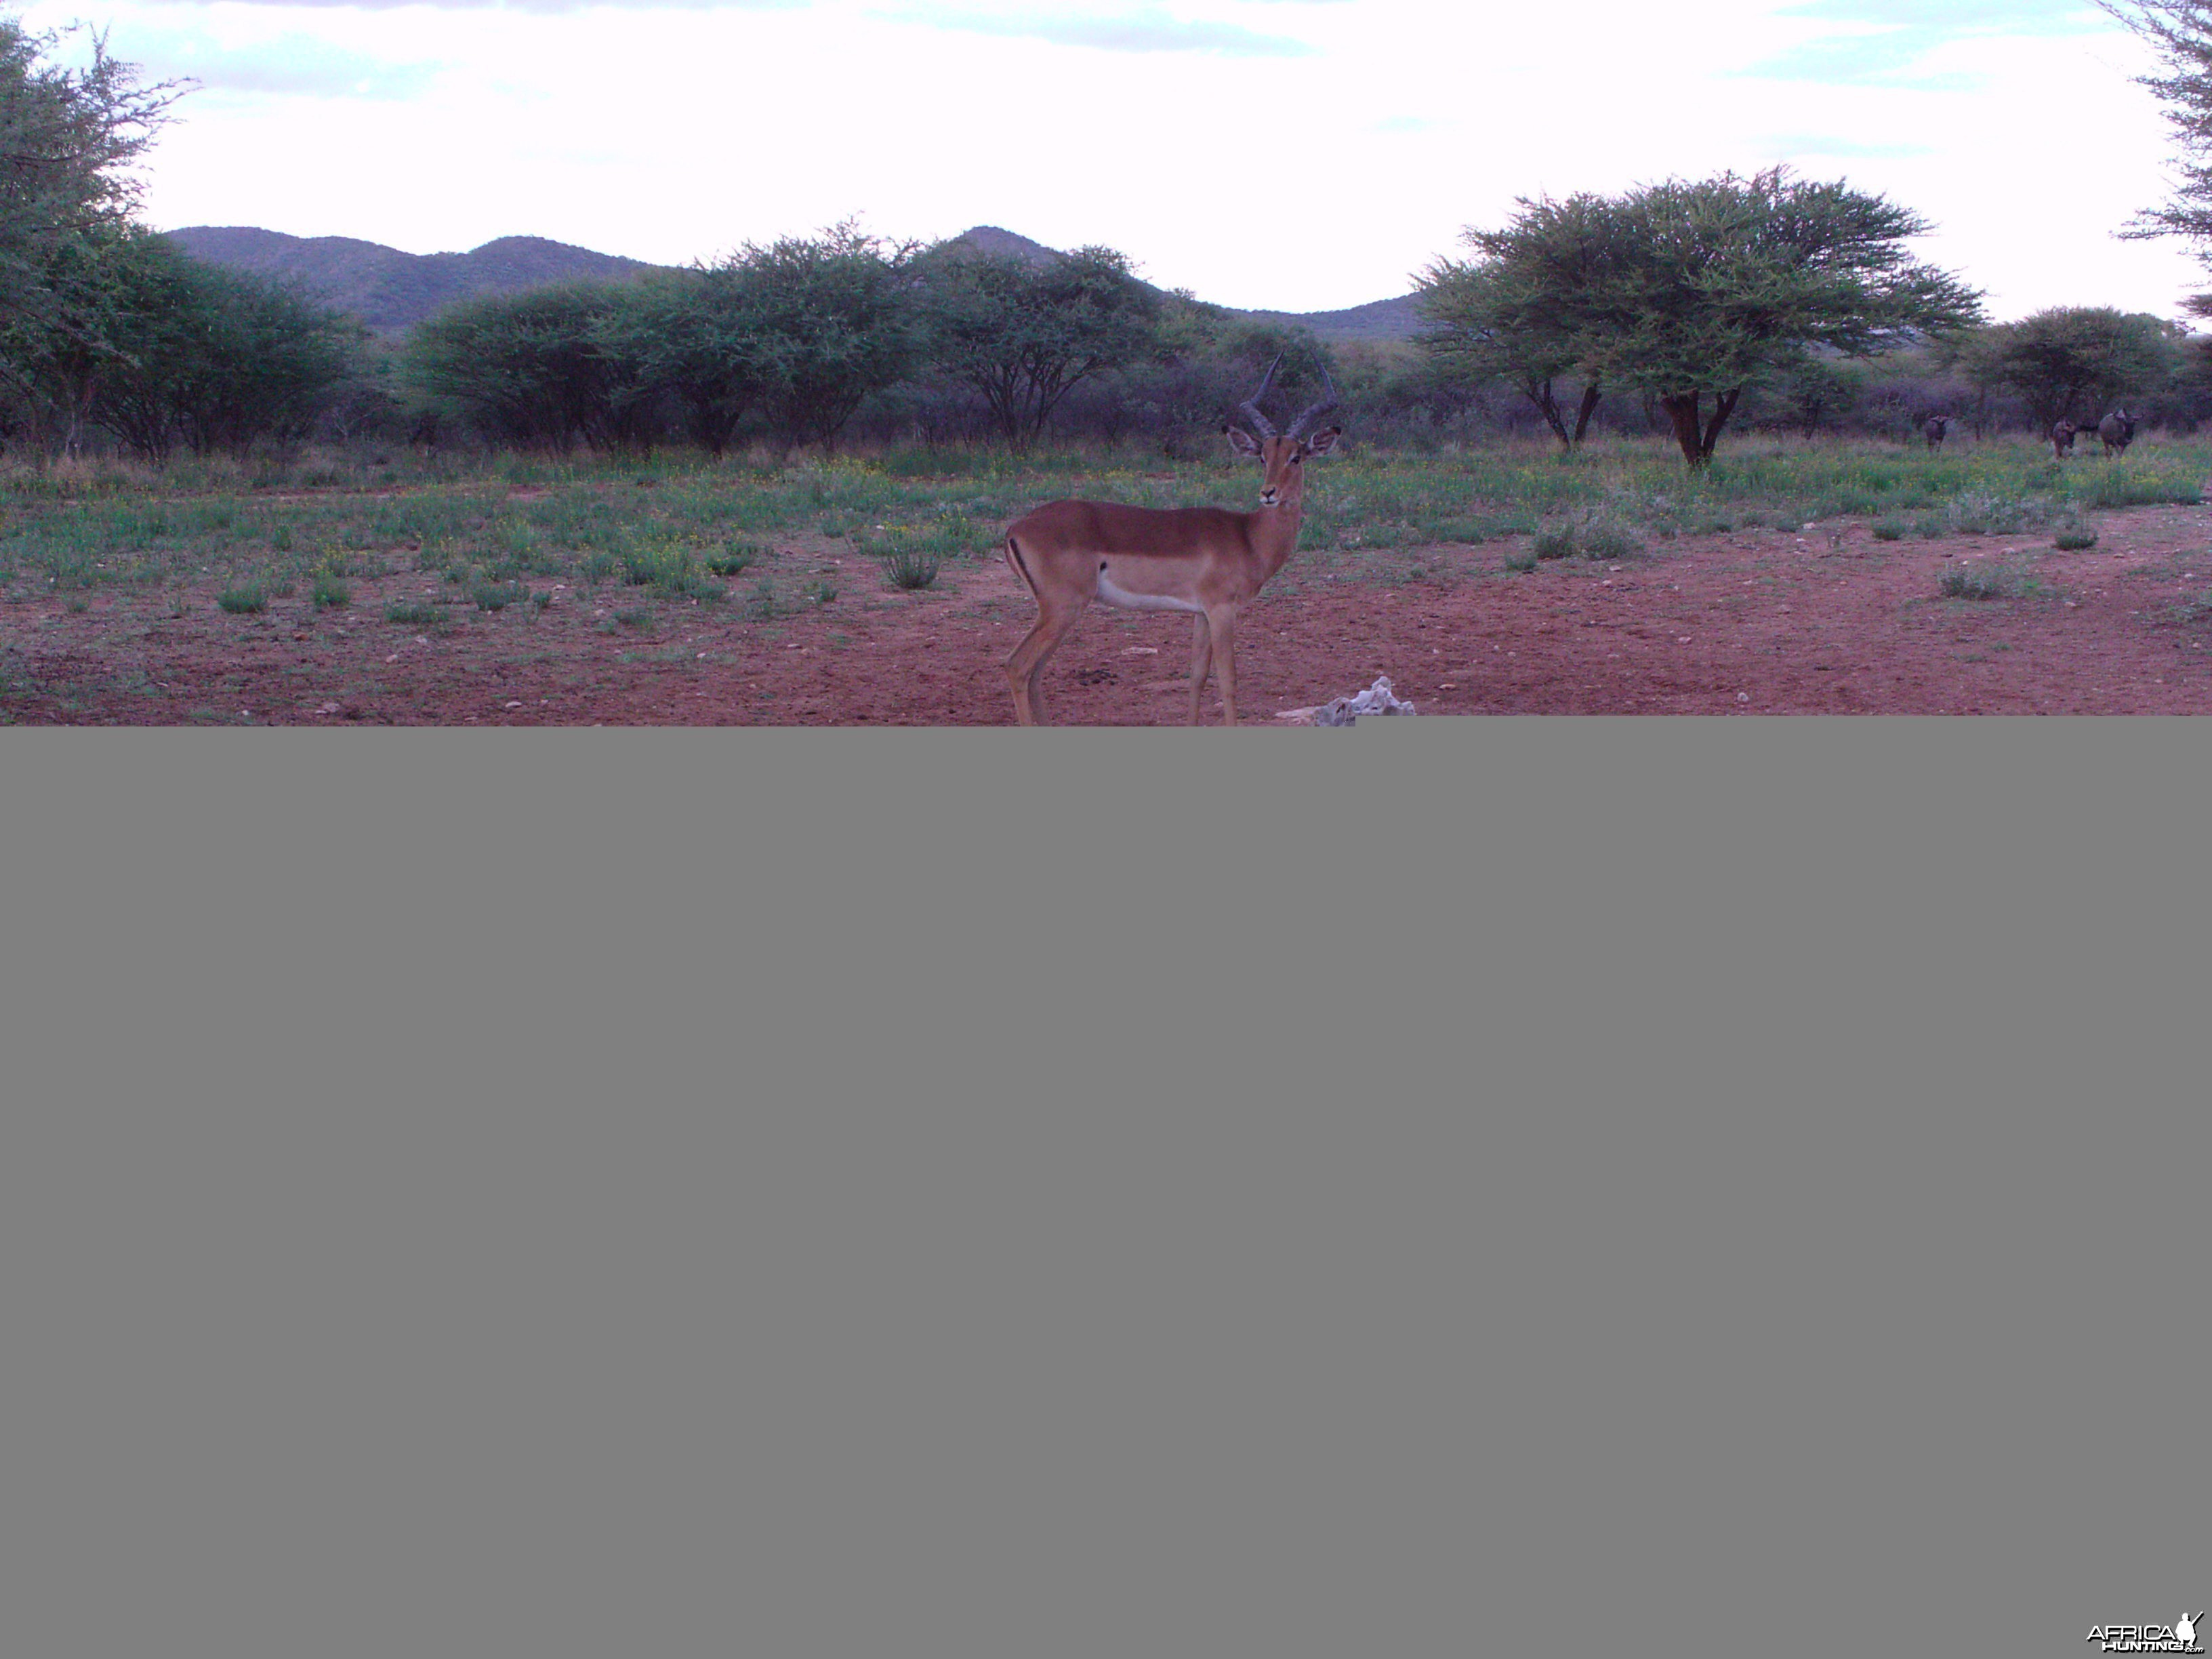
1274, 530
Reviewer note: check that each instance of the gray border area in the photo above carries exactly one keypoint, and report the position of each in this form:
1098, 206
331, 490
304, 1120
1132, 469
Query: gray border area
1440, 1188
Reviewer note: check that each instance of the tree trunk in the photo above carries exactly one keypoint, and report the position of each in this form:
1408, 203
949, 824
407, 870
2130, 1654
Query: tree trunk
1539, 393
1698, 440
1590, 395
1723, 406
1683, 412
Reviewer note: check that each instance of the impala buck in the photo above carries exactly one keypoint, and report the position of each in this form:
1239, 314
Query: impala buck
1204, 560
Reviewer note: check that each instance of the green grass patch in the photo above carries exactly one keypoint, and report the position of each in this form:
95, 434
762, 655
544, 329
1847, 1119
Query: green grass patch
910, 568
498, 596
252, 599
1973, 581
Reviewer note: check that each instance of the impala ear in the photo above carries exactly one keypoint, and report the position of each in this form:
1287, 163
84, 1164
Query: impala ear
1324, 441
1240, 441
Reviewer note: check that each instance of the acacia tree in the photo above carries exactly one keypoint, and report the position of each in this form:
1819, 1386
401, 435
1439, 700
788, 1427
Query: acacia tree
829, 319
2069, 357
67, 137
1688, 291
2181, 32
691, 336
1024, 334
532, 368
1497, 316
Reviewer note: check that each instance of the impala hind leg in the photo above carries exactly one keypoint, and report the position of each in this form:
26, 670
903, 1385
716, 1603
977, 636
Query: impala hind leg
1025, 668
1202, 661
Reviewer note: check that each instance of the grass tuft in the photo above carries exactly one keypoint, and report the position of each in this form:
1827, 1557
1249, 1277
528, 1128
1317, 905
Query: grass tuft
910, 568
1973, 581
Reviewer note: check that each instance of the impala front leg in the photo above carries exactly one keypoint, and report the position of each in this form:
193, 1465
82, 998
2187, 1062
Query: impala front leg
1202, 660
1222, 627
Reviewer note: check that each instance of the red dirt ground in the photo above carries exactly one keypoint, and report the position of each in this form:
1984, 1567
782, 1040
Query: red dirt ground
1761, 621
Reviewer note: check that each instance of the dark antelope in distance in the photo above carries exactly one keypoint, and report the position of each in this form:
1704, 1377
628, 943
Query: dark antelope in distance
1936, 428
1204, 560
2062, 440
2117, 429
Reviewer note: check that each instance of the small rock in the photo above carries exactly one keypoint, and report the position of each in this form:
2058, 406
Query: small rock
514, 705
1743, 696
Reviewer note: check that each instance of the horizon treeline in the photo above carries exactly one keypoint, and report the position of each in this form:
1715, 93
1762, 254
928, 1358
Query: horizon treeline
114, 341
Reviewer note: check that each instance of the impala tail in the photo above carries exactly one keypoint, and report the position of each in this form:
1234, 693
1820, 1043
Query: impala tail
1015, 561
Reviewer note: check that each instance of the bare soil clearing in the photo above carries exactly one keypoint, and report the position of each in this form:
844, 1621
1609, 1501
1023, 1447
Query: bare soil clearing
1827, 621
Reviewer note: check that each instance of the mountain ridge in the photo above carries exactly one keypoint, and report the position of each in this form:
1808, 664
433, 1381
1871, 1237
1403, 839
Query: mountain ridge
391, 290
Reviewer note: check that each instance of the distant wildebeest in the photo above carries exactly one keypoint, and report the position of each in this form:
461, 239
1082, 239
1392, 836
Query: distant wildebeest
2117, 429
1934, 429
2062, 440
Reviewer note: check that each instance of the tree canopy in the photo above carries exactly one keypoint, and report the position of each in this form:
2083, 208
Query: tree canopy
1689, 290
831, 318
2181, 32
1024, 335
67, 139
2072, 360
1498, 316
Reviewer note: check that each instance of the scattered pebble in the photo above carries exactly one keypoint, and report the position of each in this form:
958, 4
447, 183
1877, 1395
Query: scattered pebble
514, 705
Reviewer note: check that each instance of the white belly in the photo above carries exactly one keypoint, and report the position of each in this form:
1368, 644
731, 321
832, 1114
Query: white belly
1123, 600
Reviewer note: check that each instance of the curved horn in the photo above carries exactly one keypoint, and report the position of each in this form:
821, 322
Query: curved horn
1304, 422
1251, 404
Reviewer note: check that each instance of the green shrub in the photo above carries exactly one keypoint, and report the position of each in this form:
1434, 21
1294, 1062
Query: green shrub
414, 616
690, 585
250, 599
330, 593
498, 596
1889, 530
597, 566
911, 567
654, 564
1593, 533
1972, 581
1526, 561
637, 617
2073, 540
733, 560
820, 591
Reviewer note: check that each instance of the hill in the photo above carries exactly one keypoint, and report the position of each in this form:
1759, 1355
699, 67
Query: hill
1378, 319
391, 291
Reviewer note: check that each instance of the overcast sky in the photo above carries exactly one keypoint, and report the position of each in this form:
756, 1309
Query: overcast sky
1298, 155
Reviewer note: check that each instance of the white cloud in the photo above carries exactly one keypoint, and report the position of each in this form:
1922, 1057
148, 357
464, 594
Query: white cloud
1345, 149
